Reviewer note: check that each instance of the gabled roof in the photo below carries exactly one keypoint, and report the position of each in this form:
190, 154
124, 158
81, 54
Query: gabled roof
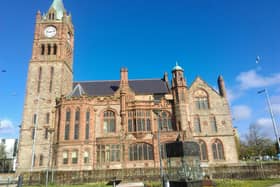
106, 88
205, 83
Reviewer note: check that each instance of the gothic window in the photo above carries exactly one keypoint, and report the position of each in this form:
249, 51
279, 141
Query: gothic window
203, 150
42, 49
39, 79
33, 133
108, 153
164, 121
213, 124
87, 124
51, 79
67, 125
139, 120
65, 157
86, 157
41, 159
47, 118
46, 133
109, 121
74, 157
34, 119
49, 49
54, 49
201, 100
197, 125
77, 124
218, 150
141, 151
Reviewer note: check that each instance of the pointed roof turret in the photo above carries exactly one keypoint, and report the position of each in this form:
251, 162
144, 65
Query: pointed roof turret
58, 6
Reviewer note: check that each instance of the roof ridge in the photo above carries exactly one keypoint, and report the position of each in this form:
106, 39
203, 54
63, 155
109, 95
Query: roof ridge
116, 80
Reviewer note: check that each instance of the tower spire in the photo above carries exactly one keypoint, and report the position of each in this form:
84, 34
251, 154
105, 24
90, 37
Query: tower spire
58, 7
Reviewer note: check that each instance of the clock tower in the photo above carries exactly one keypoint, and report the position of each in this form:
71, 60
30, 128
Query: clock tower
50, 76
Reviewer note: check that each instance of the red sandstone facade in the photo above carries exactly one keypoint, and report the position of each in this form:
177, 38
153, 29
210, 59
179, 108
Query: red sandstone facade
112, 124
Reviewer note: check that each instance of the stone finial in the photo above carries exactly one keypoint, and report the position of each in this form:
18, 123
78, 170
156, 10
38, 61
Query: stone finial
221, 85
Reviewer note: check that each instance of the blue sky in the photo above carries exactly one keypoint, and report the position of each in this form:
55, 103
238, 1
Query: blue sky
207, 37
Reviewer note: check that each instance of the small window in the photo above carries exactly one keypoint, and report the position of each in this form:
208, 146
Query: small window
42, 49
54, 49
197, 126
65, 157
49, 49
48, 118
109, 121
46, 133
41, 160
33, 133
87, 124
213, 124
74, 157
86, 157
77, 124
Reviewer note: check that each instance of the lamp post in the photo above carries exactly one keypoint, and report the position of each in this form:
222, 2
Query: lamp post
157, 112
36, 116
50, 131
272, 116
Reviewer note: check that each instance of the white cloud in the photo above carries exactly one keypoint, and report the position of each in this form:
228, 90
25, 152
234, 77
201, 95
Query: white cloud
264, 122
7, 129
251, 79
241, 112
276, 108
6, 124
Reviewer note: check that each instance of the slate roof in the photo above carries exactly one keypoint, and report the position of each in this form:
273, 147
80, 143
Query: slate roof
106, 88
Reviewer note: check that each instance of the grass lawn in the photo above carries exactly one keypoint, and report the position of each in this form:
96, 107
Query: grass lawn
219, 183
246, 183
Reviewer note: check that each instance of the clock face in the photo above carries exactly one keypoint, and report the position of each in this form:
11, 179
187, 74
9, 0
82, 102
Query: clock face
50, 31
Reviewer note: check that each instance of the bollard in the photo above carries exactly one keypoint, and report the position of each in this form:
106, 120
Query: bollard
8, 182
20, 180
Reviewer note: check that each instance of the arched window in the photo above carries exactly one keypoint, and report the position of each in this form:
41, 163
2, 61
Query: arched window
201, 99
141, 151
139, 120
54, 49
49, 49
197, 126
203, 150
213, 124
109, 121
218, 150
67, 125
86, 157
77, 124
165, 123
39, 79
74, 157
51, 79
87, 124
42, 49
65, 157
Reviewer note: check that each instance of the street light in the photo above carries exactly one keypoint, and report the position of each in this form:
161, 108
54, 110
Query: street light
50, 131
34, 136
157, 112
272, 116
